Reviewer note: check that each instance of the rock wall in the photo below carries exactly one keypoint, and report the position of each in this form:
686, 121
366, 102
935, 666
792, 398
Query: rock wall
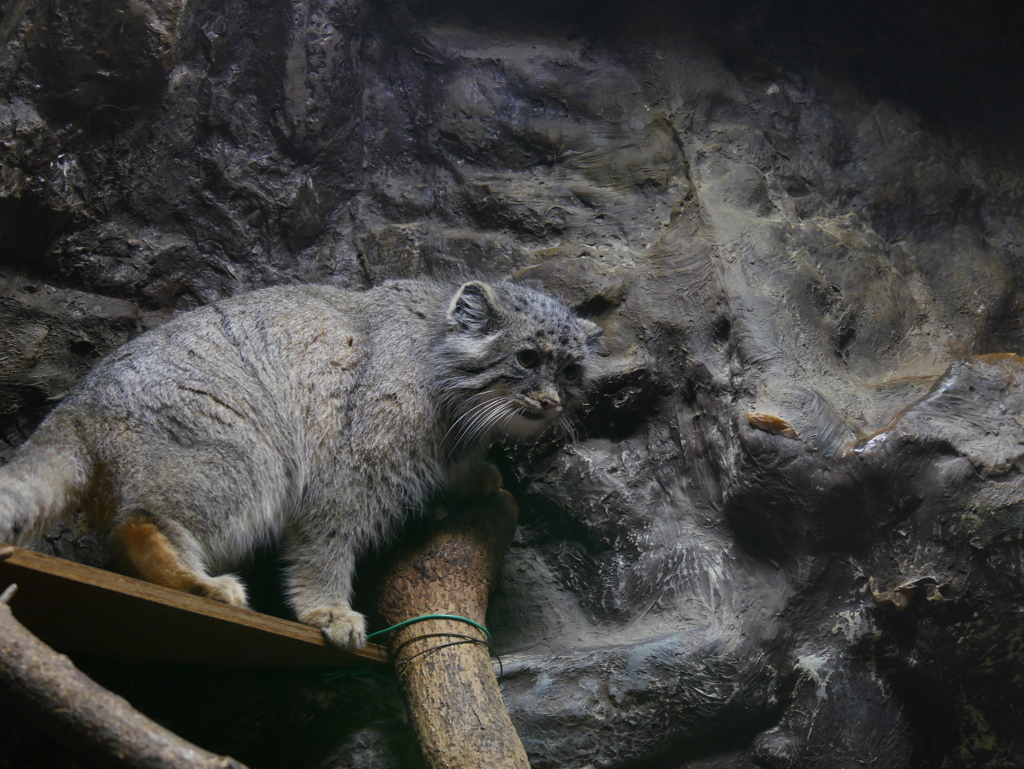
791, 532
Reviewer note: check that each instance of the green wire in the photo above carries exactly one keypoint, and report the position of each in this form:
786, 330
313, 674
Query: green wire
360, 670
456, 617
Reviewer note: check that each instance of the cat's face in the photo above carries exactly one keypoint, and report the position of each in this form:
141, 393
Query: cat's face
513, 362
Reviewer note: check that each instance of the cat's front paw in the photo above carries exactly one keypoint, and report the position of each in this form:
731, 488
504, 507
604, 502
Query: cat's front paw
473, 478
340, 625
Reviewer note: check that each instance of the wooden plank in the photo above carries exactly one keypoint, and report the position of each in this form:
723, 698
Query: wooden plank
79, 609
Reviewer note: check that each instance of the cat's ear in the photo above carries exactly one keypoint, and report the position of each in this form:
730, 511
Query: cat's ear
474, 308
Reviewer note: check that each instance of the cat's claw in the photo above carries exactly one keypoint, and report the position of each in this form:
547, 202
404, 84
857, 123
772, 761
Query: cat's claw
340, 625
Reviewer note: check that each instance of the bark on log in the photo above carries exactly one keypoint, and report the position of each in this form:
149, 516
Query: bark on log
449, 682
85, 716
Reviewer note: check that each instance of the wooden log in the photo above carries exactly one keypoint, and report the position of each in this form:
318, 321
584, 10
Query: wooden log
82, 714
449, 681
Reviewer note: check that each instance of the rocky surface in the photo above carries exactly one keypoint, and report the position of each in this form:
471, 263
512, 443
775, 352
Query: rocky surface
791, 532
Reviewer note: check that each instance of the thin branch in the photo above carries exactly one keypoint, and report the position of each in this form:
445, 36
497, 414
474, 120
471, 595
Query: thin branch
86, 717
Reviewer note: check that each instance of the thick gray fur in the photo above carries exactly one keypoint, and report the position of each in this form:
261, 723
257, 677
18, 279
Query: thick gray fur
313, 414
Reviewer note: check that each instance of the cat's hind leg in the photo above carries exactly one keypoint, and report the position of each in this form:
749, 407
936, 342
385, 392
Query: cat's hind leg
187, 514
150, 552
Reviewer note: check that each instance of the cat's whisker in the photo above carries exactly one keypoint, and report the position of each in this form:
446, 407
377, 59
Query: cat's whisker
486, 419
567, 428
478, 416
468, 424
472, 423
579, 429
457, 424
508, 417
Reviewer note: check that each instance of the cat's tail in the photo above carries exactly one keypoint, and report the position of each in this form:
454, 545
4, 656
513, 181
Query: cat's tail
47, 478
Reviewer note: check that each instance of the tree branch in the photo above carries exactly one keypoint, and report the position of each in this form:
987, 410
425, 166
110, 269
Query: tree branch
447, 676
82, 714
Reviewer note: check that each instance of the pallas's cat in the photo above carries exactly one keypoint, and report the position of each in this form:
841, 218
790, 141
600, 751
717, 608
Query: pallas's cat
306, 414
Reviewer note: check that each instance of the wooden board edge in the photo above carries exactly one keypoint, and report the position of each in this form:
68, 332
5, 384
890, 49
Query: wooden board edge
129, 586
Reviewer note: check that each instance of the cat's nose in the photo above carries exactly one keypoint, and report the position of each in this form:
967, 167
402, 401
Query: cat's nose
547, 403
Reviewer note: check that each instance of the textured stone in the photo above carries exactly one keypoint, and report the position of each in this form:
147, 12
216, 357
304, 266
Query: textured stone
803, 211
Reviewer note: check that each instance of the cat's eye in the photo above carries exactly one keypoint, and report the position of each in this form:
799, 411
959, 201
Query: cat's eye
527, 358
572, 371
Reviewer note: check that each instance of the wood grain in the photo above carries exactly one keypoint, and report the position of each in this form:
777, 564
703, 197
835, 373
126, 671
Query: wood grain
454, 701
80, 609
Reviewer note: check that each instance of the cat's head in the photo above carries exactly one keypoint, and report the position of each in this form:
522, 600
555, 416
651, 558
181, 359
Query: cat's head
511, 361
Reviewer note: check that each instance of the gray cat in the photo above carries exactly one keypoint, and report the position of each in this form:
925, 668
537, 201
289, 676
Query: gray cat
309, 413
